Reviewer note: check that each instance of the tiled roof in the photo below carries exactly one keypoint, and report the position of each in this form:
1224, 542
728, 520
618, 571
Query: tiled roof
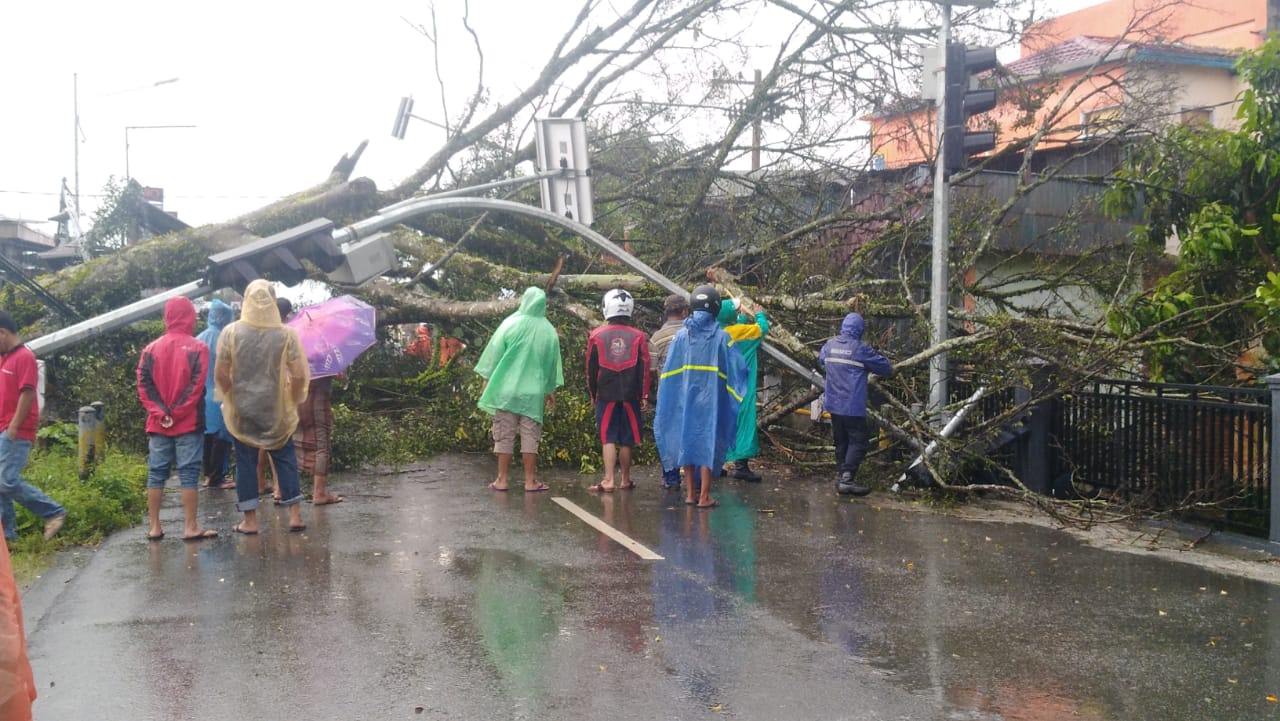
1084, 50
1078, 50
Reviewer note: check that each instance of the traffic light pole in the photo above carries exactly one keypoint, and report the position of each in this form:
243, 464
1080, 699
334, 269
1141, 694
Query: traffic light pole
938, 295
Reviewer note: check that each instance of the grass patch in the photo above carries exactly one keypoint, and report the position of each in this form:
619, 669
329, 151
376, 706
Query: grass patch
113, 497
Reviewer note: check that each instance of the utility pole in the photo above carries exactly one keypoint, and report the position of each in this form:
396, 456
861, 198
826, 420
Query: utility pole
939, 297
75, 108
954, 144
755, 127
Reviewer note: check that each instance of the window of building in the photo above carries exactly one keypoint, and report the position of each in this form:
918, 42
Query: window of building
1196, 116
1102, 121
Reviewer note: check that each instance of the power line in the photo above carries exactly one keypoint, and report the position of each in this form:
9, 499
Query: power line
177, 197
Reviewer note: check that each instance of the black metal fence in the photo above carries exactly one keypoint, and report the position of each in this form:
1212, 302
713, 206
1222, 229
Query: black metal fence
1202, 452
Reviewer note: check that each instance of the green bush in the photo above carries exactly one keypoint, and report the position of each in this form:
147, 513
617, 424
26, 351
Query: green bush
110, 499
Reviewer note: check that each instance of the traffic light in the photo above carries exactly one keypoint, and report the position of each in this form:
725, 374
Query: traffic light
402, 118
962, 103
562, 146
278, 257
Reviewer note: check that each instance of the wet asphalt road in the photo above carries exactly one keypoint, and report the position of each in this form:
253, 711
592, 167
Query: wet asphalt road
426, 596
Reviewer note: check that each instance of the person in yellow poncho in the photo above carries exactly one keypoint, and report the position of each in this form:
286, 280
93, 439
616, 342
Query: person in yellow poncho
261, 376
522, 369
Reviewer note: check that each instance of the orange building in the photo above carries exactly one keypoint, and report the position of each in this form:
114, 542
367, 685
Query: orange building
1117, 66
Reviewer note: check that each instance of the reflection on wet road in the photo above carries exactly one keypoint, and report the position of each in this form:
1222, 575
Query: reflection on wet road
427, 596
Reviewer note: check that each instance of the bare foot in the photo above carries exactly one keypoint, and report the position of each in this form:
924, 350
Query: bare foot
326, 499
53, 525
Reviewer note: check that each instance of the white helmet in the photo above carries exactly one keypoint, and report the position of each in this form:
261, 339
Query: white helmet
618, 302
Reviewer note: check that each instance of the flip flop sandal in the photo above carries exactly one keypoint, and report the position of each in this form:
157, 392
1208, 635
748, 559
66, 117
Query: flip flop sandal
493, 487
239, 529
206, 533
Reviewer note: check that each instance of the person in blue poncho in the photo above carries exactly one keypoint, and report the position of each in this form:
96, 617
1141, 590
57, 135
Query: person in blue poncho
217, 441
522, 369
699, 393
848, 362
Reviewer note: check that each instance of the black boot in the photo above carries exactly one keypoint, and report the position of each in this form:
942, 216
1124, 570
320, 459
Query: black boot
846, 486
743, 472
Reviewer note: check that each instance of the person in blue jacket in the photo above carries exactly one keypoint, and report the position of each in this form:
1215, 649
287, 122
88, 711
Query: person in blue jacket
699, 393
848, 362
217, 441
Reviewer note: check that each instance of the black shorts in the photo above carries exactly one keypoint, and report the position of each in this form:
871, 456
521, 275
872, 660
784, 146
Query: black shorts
619, 422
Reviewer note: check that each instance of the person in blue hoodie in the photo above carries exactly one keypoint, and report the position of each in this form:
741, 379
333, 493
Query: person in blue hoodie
217, 441
699, 393
848, 361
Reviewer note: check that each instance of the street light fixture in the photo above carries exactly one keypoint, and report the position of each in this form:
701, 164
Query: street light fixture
78, 131
127, 128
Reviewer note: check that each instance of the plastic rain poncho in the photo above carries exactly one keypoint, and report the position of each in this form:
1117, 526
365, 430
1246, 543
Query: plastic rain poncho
699, 393
17, 686
261, 372
220, 314
522, 360
748, 335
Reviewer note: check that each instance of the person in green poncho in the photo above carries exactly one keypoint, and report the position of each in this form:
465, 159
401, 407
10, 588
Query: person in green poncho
522, 369
748, 334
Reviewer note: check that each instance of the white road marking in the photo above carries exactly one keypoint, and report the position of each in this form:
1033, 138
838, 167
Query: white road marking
622, 538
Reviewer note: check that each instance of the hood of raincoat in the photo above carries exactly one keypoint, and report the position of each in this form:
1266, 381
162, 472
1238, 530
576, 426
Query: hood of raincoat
180, 316
260, 309
264, 372
728, 312
522, 360
852, 326
533, 303
220, 314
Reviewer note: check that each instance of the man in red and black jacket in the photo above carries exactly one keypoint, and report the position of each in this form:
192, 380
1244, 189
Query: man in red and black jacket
618, 380
171, 375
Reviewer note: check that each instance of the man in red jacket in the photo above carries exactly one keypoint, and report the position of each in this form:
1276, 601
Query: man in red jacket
618, 381
171, 376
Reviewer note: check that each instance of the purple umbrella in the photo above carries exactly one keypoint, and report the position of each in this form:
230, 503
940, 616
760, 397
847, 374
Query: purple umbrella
334, 332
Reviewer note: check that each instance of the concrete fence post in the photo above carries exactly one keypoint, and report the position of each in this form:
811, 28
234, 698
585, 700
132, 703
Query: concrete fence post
92, 436
1273, 530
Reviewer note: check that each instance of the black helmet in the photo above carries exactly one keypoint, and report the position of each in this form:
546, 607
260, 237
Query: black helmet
705, 297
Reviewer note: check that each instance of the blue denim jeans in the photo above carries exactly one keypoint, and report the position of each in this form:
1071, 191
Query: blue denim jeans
285, 460
186, 451
13, 457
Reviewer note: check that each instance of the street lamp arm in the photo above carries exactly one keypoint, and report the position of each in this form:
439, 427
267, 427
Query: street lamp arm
127, 128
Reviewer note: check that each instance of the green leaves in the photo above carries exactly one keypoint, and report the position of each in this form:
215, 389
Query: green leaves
1217, 191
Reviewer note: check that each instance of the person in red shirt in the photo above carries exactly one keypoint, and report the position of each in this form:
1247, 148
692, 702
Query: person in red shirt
618, 381
19, 412
171, 373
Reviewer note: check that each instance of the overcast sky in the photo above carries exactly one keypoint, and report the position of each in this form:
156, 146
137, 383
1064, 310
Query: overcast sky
278, 90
